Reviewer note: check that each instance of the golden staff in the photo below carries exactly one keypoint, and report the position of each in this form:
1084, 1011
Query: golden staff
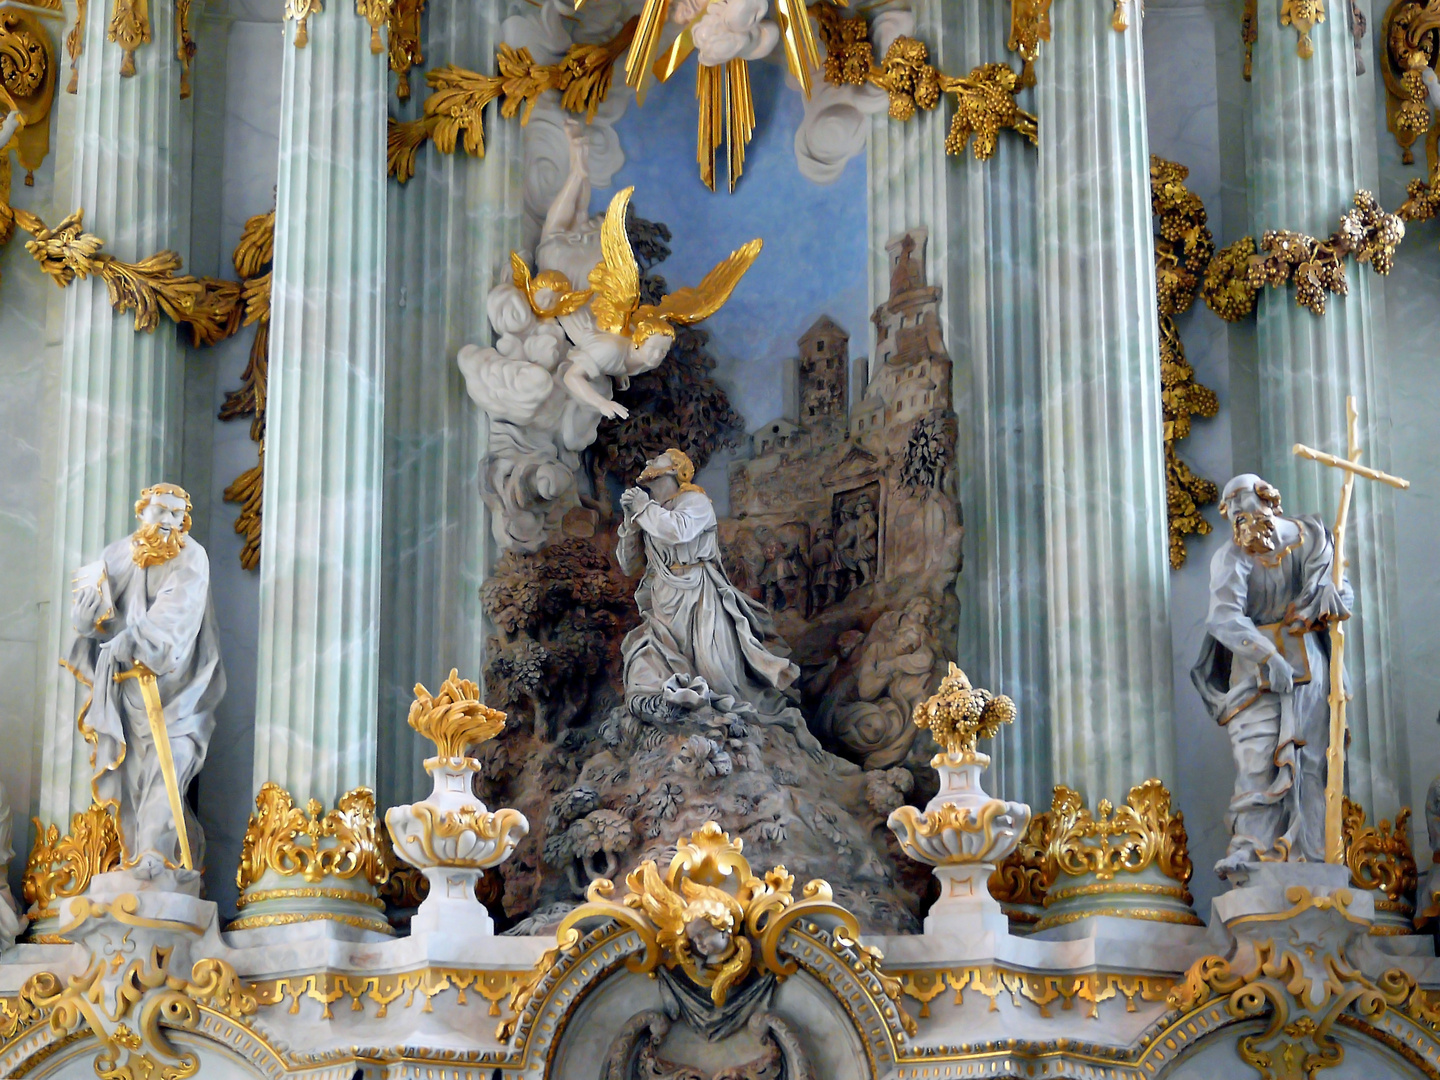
1335, 755
155, 713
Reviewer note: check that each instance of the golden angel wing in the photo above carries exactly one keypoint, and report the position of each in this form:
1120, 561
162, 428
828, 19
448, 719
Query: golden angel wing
690, 305
616, 278
520, 272
664, 906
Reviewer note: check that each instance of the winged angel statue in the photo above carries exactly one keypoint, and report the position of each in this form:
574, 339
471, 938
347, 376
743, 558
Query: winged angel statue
560, 352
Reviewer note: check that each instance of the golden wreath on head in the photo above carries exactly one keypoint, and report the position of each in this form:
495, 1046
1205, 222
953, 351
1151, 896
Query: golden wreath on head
173, 490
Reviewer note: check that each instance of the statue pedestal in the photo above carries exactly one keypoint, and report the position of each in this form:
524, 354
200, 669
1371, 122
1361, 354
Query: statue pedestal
966, 908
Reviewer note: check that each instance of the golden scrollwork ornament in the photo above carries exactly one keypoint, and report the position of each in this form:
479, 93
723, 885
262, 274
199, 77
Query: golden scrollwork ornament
299, 865
713, 921
451, 837
129, 28
27, 84
61, 866
1130, 861
1380, 859
963, 833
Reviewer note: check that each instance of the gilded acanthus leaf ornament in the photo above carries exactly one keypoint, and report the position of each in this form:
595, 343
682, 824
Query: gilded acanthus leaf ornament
404, 42
129, 28
150, 288
1301, 981
300, 11
1182, 255
1303, 15
1410, 44
75, 45
1141, 833
377, 14
252, 258
344, 843
582, 77
1380, 858
28, 72
184, 44
62, 866
1026, 874
1029, 25
712, 919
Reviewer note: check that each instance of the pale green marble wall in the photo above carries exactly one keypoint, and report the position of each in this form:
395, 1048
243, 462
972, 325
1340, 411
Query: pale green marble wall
1111, 693
318, 661
451, 230
1310, 146
121, 394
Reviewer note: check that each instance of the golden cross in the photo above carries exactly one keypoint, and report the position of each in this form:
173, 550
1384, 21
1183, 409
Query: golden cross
1335, 755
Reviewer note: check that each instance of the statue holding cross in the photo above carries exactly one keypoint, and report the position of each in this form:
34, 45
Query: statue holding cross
1272, 667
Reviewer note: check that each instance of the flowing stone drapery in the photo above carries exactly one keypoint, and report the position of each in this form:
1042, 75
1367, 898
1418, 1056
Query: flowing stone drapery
982, 252
452, 227
127, 166
1308, 151
317, 670
1105, 523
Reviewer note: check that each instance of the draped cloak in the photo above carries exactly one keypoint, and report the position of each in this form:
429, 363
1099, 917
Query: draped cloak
694, 622
1249, 594
166, 610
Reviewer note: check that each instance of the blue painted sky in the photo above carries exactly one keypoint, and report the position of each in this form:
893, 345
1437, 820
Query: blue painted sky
814, 258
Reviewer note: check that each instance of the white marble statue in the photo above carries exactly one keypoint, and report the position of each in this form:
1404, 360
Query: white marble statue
700, 641
1264, 672
146, 605
1427, 896
562, 348
12, 922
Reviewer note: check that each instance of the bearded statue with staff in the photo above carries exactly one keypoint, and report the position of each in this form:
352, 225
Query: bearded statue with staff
147, 647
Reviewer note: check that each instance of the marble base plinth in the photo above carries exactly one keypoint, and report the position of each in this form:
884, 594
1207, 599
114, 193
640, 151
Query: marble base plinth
278, 901
1146, 895
965, 908
450, 905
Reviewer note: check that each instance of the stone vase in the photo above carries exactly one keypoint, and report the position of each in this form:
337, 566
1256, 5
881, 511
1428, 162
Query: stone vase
453, 839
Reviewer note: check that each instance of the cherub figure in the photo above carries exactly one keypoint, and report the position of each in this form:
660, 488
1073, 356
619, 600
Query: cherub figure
701, 926
615, 335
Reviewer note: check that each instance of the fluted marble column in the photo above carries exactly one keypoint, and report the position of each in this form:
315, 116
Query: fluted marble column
452, 228
121, 392
318, 664
982, 252
1311, 145
1110, 671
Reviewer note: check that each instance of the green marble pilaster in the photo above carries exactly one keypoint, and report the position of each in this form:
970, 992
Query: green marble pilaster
982, 252
1310, 147
317, 670
121, 391
451, 230
1111, 692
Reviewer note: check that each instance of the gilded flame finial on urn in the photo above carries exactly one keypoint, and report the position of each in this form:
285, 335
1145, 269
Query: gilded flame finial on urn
455, 719
450, 836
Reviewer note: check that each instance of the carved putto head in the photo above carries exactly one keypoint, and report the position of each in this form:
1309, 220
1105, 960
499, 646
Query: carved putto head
164, 514
1251, 506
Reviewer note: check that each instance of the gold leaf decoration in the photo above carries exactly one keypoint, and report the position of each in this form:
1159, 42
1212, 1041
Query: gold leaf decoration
582, 76
1027, 873
129, 28
404, 40
958, 714
1182, 255
1317, 267
62, 866
252, 260
1379, 856
455, 719
288, 840
1143, 832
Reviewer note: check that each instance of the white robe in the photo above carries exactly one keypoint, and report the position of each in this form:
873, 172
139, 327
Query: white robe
168, 609
694, 622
